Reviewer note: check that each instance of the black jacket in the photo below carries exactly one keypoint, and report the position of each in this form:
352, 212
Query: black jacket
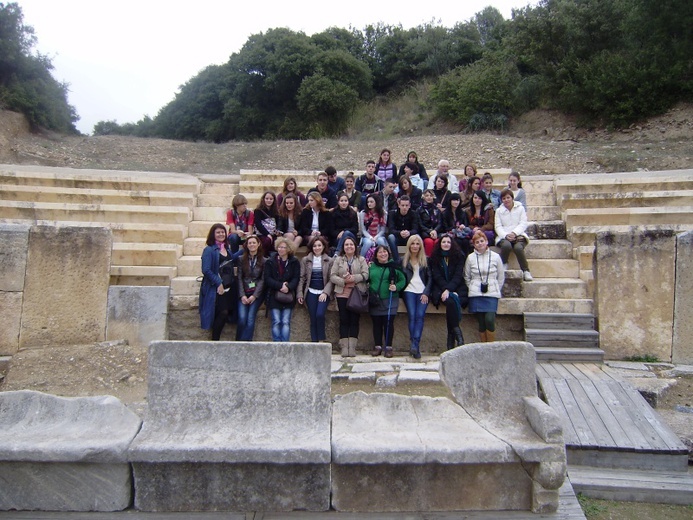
453, 282
397, 222
344, 221
324, 223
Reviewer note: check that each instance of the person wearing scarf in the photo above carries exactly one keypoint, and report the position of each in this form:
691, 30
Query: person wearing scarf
449, 288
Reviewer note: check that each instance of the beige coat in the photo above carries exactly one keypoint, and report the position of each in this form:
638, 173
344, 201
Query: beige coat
359, 268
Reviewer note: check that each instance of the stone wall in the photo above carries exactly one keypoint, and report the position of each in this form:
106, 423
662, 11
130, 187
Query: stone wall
635, 286
682, 351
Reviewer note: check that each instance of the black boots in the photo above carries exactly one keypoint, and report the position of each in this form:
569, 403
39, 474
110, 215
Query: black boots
459, 339
451, 341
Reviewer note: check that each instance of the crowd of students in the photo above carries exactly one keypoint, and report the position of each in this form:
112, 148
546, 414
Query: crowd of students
352, 228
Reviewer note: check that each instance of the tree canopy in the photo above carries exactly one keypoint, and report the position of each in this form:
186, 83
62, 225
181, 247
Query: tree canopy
26, 82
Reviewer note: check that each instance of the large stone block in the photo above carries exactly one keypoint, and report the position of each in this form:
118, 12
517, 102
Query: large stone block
634, 274
65, 454
10, 321
230, 414
137, 314
14, 243
66, 287
682, 349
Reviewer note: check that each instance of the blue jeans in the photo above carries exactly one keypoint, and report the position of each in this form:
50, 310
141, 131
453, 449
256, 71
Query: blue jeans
415, 312
393, 241
246, 320
316, 311
340, 242
281, 324
367, 243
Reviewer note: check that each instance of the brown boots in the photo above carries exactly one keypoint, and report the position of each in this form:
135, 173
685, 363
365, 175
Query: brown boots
487, 336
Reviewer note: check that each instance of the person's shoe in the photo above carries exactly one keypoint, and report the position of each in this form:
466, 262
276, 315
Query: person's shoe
527, 276
482, 336
490, 336
388, 352
376, 351
414, 352
451, 341
459, 339
352, 344
344, 347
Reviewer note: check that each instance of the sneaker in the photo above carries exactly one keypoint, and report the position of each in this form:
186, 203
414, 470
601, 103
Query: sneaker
527, 276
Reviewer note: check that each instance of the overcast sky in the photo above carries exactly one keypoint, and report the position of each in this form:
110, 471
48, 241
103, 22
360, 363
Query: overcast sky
127, 58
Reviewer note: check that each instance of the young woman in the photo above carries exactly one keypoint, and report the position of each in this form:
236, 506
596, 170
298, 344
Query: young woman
469, 171
448, 288
266, 220
385, 168
291, 186
240, 221
515, 185
441, 192
216, 301
407, 188
315, 221
491, 194
251, 287
455, 223
373, 224
386, 281
413, 158
349, 272
345, 222
481, 216
351, 192
510, 224
417, 291
431, 221
473, 185
315, 287
484, 276
289, 217
282, 274
411, 171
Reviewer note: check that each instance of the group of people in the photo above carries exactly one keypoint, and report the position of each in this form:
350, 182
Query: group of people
352, 228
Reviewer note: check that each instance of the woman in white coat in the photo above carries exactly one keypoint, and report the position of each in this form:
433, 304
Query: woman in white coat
511, 224
484, 276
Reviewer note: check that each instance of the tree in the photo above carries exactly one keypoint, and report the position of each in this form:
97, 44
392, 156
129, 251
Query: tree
26, 82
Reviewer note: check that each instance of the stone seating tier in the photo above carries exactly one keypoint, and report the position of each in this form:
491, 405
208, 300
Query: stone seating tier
65, 453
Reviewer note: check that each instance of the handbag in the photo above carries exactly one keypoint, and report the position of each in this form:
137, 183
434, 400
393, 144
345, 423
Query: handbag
226, 272
358, 301
286, 298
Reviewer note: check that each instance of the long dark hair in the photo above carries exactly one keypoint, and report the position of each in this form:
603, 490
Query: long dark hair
284, 213
210, 236
245, 259
378, 205
454, 257
484, 202
270, 210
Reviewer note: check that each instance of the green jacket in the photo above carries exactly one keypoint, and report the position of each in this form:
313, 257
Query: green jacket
378, 274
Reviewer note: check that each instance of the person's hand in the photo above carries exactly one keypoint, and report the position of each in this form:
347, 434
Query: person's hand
340, 234
245, 300
393, 287
424, 299
349, 278
284, 288
445, 295
511, 237
434, 234
322, 297
299, 300
404, 234
220, 289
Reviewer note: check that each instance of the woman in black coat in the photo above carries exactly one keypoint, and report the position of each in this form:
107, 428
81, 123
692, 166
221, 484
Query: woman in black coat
447, 272
315, 212
282, 274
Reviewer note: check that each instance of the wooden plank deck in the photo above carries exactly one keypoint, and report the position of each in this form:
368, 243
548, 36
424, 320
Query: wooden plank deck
607, 423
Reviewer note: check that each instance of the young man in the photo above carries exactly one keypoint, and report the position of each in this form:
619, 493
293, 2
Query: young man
401, 224
388, 196
329, 197
368, 183
443, 170
335, 183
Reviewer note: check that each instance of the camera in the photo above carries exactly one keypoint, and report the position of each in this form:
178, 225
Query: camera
484, 288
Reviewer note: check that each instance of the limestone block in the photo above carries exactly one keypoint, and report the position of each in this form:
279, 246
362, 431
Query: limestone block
682, 349
66, 287
14, 242
10, 321
634, 292
65, 486
490, 379
544, 420
246, 440
137, 314
65, 453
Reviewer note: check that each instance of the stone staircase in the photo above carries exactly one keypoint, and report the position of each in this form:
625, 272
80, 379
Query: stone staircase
563, 336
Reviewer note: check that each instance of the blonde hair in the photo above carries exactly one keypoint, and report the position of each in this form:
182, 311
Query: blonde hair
421, 257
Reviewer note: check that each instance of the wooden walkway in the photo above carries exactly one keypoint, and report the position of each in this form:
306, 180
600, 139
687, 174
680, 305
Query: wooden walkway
606, 422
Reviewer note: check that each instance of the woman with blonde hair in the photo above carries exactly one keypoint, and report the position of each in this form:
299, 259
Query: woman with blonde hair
417, 291
282, 274
316, 220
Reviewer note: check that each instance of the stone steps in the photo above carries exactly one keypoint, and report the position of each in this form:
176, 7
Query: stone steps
661, 198
106, 213
142, 275
96, 196
142, 253
671, 180
628, 216
673, 487
30, 175
585, 235
557, 336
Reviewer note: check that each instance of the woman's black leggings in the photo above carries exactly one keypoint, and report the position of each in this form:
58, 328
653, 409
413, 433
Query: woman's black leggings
348, 320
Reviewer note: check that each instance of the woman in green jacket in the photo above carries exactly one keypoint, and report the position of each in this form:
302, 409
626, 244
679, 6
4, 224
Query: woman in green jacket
386, 280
